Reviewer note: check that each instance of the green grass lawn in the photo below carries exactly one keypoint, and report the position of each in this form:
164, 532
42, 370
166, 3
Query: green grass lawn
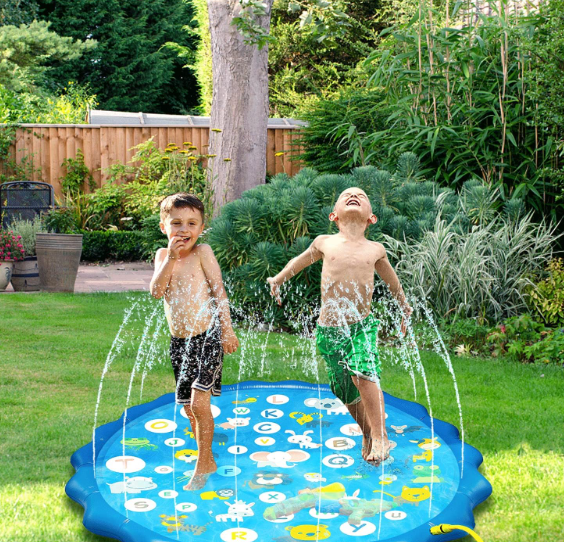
54, 346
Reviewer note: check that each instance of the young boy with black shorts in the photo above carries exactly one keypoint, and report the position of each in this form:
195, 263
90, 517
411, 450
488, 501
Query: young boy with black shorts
189, 278
346, 328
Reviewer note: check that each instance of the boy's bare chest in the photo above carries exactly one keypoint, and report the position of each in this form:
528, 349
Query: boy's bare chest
349, 262
188, 276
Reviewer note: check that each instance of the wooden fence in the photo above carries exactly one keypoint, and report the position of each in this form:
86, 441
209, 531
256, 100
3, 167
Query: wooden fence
46, 146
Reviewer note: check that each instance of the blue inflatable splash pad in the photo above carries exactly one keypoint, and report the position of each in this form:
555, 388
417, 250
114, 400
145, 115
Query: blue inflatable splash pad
289, 468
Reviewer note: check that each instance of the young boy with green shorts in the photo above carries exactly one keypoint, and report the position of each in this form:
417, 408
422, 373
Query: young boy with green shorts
346, 330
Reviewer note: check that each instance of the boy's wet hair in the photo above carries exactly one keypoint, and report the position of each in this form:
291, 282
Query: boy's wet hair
181, 200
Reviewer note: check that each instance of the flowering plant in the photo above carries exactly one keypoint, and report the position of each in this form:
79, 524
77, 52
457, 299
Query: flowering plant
11, 248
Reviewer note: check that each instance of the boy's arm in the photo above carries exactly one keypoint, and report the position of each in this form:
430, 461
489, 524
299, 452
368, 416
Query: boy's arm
163, 273
388, 275
164, 265
213, 275
294, 266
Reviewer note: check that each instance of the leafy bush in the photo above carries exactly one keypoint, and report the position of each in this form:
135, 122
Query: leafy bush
27, 230
365, 110
548, 295
77, 175
255, 236
99, 246
522, 339
60, 220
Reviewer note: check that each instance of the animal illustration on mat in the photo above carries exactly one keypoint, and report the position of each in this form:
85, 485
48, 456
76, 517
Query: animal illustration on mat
327, 500
279, 459
304, 440
237, 511
133, 485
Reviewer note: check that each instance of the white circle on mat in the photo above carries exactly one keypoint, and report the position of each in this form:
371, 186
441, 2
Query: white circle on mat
265, 441
168, 494
313, 513
277, 399
140, 505
270, 413
340, 443
351, 430
282, 519
338, 461
364, 528
186, 507
237, 449
272, 497
163, 469
125, 464
160, 425
395, 515
173, 442
228, 470
239, 533
266, 428
241, 410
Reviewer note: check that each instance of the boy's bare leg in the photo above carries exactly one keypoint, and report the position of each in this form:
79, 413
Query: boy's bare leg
205, 465
193, 425
357, 412
372, 399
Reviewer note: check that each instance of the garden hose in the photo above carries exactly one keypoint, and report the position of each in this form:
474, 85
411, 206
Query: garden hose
444, 528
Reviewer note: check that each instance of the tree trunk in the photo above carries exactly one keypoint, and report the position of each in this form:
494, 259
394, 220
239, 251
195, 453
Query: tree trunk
239, 104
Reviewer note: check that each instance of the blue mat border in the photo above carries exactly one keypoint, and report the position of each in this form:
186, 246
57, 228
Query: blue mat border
101, 519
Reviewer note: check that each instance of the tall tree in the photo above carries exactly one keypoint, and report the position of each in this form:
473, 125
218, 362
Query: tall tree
129, 70
240, 33
239, 102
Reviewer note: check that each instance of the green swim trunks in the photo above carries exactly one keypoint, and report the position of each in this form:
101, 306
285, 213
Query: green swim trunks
350, 350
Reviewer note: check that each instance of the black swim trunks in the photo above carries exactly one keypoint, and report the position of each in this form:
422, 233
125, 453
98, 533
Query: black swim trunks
197, 362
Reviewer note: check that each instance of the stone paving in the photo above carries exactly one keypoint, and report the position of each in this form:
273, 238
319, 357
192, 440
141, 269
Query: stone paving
115, 277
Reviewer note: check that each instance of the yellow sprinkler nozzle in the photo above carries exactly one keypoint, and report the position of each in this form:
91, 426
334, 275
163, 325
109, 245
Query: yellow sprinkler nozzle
444, 528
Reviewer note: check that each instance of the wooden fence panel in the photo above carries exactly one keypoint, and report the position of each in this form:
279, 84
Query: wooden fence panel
47, 146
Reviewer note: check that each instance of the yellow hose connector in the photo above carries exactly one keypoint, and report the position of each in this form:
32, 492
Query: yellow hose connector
444, 528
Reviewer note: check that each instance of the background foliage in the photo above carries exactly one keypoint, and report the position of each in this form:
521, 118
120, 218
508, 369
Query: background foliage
129, 70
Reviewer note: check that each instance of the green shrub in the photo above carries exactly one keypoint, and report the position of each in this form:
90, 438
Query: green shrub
325, 151
27, 230
77, 175
522, 339
60, 220
548, 295
99, 246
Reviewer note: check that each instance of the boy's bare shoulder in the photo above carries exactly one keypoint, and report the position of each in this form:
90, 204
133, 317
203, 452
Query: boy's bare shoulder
204, 251
380, 249
160, 255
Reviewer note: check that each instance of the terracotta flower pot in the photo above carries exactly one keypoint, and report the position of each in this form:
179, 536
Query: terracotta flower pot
5, 274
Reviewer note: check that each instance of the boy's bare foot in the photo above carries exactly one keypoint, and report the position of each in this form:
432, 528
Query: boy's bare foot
200, 476
366, 445
380, 451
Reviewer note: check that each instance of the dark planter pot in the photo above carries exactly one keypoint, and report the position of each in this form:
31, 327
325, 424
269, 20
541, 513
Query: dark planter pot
25, 276
58, 257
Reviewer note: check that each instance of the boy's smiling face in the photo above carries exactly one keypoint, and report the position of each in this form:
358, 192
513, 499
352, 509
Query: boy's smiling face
353, 205
185, 223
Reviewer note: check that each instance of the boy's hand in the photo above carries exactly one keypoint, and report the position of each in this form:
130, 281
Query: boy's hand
405, 319
174, 245
230, 342
274, 289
